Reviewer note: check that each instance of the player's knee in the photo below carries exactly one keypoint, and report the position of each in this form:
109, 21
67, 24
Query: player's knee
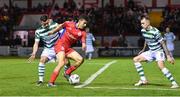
43, 60
80, 60
135, 59
67, 62
161, 65
61, 63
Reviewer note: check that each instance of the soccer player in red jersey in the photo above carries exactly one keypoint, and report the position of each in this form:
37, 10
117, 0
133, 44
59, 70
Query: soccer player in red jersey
74, 32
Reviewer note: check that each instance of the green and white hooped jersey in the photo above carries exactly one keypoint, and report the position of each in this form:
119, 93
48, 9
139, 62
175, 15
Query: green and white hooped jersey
153, 38
42, 34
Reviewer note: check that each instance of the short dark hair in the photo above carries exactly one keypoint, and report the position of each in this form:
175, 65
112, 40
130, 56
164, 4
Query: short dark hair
145, 17
85, 17
44, 18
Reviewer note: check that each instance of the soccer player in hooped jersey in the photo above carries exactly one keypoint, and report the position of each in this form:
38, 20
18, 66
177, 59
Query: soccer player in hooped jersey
48, 41
73, 32
156, 45
169, 37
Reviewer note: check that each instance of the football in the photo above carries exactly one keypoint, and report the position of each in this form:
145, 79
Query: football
74, 79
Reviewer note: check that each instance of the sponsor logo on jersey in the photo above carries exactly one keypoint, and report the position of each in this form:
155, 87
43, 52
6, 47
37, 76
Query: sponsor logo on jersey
71, 36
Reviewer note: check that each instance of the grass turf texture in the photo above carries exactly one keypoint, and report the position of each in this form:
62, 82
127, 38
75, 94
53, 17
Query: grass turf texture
18, 78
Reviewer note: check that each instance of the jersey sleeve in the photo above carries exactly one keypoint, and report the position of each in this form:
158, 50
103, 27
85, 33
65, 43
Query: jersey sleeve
54, 25
37, 36
143, 31
83, 38
66, 23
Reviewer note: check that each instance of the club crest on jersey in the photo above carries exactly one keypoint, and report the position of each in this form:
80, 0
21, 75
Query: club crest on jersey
79, 33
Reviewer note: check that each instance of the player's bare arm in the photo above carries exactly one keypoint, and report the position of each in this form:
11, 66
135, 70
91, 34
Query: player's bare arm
83, 40
33, 54
59, 27
144, 47
169, 58
83, 46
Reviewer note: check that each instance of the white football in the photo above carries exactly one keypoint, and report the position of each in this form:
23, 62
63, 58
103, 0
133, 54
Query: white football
74, 79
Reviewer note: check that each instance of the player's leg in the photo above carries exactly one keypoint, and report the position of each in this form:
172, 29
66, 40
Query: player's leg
90, 51
78, 61
171, 53
41, 69
137, 62
47, 54
61, 62
171, 49
41, 66
86, 53
66, 67
90, 55
67, 64
160, 58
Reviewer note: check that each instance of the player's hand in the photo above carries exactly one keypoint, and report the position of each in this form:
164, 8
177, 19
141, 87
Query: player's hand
170, 59
31, 58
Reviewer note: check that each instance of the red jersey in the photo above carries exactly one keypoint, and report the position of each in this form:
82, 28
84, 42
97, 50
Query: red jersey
72, 34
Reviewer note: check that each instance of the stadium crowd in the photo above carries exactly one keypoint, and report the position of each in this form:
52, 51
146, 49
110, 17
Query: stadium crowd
171, 18
10, 17
106, 21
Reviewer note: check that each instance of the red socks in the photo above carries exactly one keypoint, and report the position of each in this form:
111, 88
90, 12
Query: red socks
55, 74
70, 70
53, 77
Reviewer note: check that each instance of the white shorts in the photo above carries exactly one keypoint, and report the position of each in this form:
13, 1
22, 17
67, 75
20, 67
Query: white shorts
155, 55
49, 52
89, 48
170, 47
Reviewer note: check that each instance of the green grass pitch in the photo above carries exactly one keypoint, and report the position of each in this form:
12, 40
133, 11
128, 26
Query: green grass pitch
18, 78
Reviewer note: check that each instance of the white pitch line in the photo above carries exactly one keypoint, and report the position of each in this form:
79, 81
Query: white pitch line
92, 77
121, 88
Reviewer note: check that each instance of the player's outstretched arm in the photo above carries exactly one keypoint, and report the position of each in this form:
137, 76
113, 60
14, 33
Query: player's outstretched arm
33, 54
144, 47
59, 27
169, 58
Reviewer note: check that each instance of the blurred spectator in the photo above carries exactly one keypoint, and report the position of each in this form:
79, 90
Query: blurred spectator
122, 41
17, 41
171, 18
70, 5
65, 5
114, 43
6, 41
131, 4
